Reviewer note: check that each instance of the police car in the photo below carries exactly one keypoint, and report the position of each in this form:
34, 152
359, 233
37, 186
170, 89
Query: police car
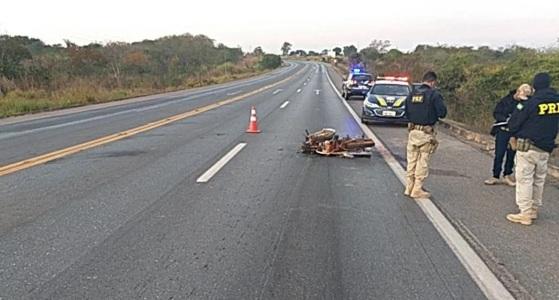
386, 101
358, 83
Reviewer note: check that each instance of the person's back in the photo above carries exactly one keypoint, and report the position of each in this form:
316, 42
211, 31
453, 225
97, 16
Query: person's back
425, 106
534, 123
538, 119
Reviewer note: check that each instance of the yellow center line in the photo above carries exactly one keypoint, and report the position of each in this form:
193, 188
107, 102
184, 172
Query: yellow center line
41, 159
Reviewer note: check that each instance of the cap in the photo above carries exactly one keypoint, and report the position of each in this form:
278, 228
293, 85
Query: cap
542, 81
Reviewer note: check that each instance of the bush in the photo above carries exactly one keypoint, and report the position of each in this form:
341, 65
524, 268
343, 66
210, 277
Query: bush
270, 61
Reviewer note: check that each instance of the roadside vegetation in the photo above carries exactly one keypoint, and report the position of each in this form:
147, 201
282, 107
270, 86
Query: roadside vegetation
35, 76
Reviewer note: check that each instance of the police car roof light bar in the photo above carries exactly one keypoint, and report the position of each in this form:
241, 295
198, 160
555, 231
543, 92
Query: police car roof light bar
392, 78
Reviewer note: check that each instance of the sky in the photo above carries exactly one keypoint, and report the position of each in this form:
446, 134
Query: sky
308, 25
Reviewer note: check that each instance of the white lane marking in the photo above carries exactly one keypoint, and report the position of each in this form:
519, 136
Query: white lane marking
298, 91
317, 92
478, 270
220, 164
234, 93
305, 83
277, 91
286, 103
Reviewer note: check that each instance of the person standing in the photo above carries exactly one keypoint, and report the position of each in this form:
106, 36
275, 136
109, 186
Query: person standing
424, 108
500, 130
535, 125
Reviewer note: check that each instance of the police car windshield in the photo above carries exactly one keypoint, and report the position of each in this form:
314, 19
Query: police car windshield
361, 78
390, 89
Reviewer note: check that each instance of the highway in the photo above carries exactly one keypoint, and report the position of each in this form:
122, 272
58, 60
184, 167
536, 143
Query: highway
127, 218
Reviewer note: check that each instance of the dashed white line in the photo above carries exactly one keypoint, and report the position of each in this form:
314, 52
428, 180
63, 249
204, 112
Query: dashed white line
317, 92
476, 267
234, 93
220, 164
277, 91
298, 91
286, 103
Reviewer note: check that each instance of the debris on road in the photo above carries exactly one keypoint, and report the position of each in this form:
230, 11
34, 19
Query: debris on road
325, 142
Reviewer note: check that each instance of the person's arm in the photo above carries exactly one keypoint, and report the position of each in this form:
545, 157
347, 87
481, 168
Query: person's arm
500, 114
440, 107
408, 103
518, 117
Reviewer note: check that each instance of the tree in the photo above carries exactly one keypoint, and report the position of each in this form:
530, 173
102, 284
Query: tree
258, 51
370, 54
12, 53
324, 52
135, 62
114, 52
380, 46
337, 51
313, 53
300, 53
285, 48
349, 50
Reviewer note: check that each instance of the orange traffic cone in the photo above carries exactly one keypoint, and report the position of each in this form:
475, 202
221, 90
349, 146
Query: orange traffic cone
253, 124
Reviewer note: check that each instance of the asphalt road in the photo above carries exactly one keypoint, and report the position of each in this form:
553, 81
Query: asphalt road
127, 220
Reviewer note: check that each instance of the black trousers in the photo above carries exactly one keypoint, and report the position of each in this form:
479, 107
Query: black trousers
501, 150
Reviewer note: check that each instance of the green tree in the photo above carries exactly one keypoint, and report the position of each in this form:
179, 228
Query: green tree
12, 53
381, 46
114, 53
337, 51
258, 51
285, 48
349, 50
370, 54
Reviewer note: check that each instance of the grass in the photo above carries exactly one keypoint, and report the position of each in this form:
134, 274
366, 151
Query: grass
81, 93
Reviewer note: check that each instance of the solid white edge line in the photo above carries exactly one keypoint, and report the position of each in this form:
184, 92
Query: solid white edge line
284, 104
220, 164
489, 284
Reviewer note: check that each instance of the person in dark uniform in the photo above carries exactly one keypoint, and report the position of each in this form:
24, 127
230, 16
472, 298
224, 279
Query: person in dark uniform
534, 124
500, 130
424, 108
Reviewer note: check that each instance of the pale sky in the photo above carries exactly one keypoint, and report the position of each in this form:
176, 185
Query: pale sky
308, 25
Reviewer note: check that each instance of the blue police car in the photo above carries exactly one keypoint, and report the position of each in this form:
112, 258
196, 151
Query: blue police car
358, 83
